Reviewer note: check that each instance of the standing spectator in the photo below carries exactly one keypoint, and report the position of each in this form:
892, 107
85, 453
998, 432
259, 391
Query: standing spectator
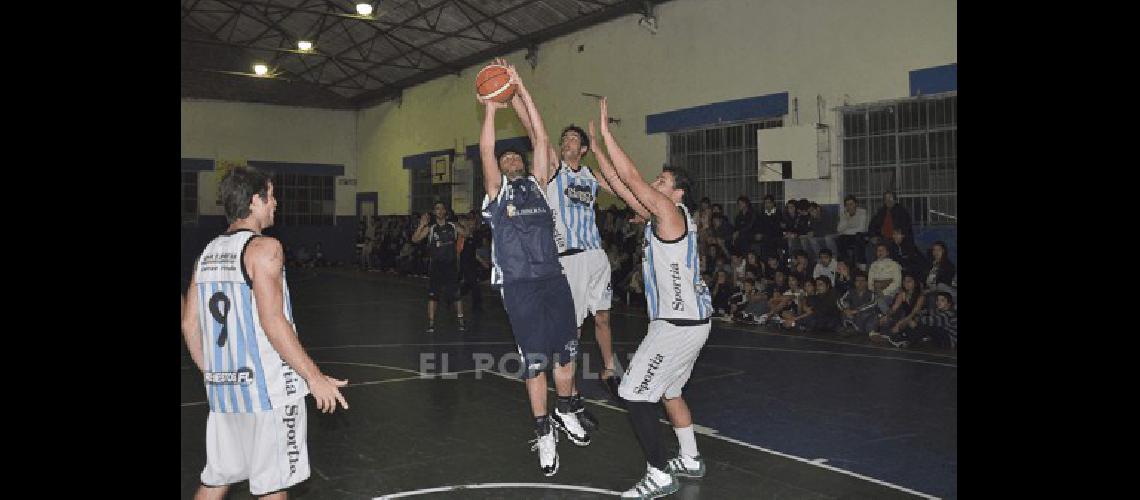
860, 308
825, 267
851, 230
788, 225
704, 218
469, 265
721, 233
940, 275
745, 225
885, 275
889, 216
768, 222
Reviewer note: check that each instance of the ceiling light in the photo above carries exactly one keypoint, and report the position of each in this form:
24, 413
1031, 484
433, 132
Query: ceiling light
304, 45
260, 69
364, 8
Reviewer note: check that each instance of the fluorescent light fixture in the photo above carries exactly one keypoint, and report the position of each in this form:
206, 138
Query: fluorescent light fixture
304, 45
260, 69
364, 8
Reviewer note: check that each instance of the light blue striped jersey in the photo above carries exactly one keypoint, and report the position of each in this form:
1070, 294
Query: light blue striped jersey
244, 373
572, 196
673, 285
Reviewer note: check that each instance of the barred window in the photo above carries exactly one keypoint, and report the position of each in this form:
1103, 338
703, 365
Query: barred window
909, 146
304, 200
722, 162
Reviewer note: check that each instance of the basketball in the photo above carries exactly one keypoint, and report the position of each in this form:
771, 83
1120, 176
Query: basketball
492, 83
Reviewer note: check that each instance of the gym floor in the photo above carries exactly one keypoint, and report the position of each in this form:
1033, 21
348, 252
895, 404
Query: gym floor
779, 416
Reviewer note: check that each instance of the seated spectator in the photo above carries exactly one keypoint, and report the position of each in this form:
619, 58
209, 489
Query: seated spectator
885, 276
785, 301
788, 226
890, 216
908, 303
704, 218
842, 278
851, 231
749, 304
753, 266
739, 268
939, 327
860, 308
825, 266
721, 234
821, 310
722, 292
906, 253
774, 265
940, 275
801, 268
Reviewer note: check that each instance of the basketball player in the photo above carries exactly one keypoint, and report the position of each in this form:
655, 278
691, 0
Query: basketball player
679, 306
525, 266
572, 191
238, 326
443, 272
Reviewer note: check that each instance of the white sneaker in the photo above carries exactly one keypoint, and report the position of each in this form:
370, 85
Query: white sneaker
655, 484
547, 447
686, 466
569, 424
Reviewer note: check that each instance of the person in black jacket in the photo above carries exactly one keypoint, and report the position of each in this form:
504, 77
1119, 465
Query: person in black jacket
768, 222
890, 216
745, 225
904, 251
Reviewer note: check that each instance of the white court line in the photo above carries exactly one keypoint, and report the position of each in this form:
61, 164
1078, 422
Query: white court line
813, 339
715, 434
487, 486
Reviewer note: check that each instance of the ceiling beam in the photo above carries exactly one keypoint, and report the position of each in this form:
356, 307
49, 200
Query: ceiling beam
614, 11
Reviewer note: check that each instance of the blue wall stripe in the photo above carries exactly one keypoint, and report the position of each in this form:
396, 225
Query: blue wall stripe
934, 80
751, 108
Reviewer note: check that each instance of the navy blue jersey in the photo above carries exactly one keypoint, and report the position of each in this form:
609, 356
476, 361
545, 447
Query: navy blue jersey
522, 229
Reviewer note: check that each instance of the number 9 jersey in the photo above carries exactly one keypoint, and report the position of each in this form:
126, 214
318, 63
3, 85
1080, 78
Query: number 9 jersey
244, 373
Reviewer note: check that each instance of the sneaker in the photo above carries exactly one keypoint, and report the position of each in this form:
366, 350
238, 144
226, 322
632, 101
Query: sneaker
873, 335
588, 420
686, 466
569, 424
462, 325
611, 384
430, 329
653, 486
898, 341
547, 447
763, 319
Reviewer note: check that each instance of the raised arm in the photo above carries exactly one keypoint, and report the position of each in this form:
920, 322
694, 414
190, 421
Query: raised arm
609, 174
670, 225
539, 140
527, 122
492, 178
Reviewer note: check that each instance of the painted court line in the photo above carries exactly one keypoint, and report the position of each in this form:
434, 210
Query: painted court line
715, 434
487, 486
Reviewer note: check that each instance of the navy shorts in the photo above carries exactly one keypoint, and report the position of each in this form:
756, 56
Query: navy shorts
542, 319
443, 282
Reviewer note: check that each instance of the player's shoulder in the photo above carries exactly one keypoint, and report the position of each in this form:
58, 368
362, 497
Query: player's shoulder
262, 245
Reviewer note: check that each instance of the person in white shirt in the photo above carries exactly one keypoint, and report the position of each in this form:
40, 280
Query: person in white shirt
885, 277
825, 267
852, 229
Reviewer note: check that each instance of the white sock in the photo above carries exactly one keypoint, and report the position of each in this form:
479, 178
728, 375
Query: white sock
687, 440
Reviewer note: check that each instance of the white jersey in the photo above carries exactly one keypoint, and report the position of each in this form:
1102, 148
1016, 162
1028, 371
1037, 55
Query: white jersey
244, 373
673, 285
572, 195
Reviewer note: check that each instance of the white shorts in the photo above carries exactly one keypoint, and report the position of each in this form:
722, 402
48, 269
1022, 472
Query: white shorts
663, 362
267, 448
589, 275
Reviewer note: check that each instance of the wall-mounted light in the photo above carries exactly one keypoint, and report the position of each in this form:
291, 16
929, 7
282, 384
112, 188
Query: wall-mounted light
260, 69
364, 8
304, 45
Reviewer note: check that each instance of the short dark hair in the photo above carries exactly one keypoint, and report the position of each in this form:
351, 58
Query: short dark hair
585, 139
706, 200
949, 298
750, 281
770, 197
799, 252
884, 245
681, 181
744, 199
850, 197
504, 152
237, 189
826, 251
824, 279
